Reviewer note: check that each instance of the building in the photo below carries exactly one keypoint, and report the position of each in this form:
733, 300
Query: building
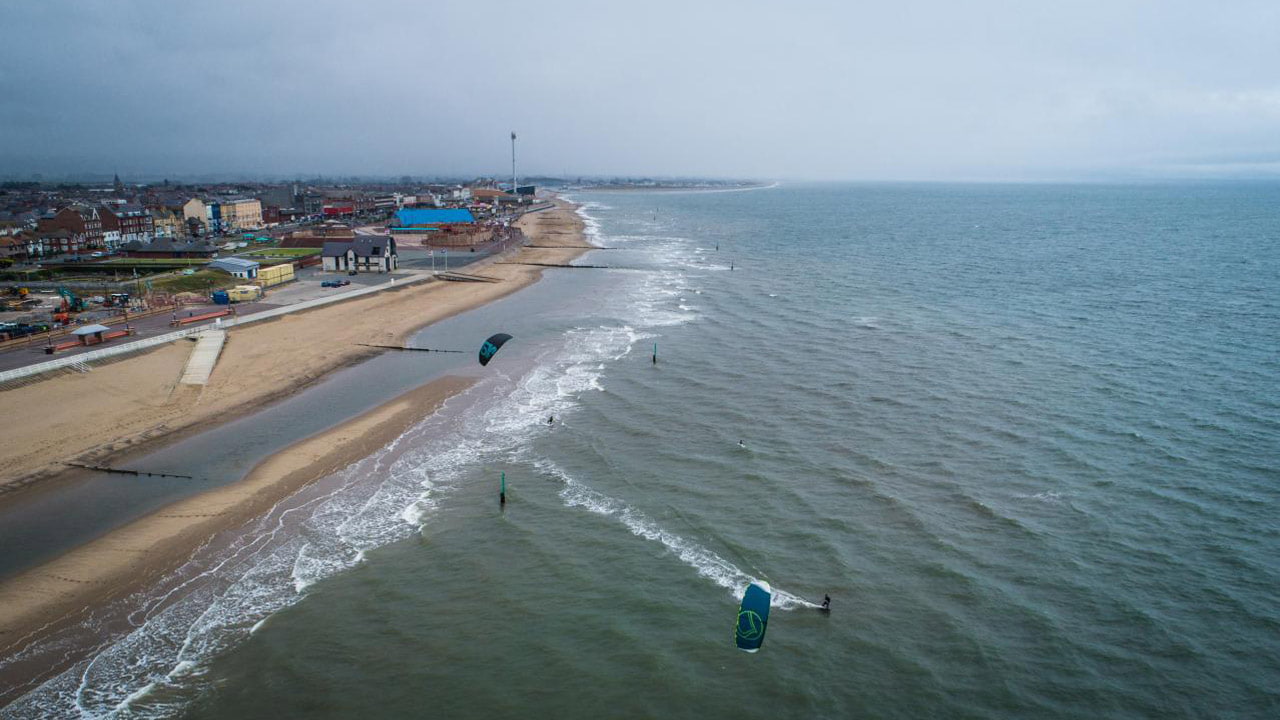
167, 222
81, 221
241, 214
13, 247
128, 222
238, 267
194, 209
433, 217
364, 254
489, 196
55, 242
284, 196
316, 237
168, 248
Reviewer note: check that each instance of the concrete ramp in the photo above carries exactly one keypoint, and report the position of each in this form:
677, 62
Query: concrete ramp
204, 357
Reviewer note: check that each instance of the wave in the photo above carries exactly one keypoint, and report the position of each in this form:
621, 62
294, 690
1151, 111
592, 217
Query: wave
706, 563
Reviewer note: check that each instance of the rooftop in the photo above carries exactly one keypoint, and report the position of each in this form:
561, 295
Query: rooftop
432, 216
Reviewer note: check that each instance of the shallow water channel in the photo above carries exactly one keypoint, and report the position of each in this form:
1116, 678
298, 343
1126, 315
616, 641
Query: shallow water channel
40, 525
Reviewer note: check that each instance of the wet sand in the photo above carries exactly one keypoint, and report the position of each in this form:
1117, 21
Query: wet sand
132, 404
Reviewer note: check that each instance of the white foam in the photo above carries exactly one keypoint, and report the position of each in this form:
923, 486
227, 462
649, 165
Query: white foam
704, 562
386, 497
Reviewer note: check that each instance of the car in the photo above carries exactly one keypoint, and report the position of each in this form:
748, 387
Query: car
97, 254
334, 283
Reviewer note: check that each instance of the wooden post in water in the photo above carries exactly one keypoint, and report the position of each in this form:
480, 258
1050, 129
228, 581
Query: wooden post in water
655, 353
502, 493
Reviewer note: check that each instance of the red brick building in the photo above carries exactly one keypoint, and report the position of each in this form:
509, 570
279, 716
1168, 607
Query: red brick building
131, 221
84, 224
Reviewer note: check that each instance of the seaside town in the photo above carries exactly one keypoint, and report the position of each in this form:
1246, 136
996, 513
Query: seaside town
73, 257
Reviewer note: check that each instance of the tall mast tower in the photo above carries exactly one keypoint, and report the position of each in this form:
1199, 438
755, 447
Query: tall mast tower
513, 162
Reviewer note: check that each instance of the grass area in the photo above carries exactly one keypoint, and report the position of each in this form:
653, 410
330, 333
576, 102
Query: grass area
282, 252
201, 282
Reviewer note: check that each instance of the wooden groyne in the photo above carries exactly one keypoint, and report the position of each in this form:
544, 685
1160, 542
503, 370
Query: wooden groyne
464, 277
135, 473
557, 265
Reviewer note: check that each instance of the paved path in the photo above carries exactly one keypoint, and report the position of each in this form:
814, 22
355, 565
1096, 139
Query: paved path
204, 357
81, 362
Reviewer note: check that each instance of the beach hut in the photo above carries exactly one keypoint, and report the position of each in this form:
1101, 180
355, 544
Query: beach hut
90, 334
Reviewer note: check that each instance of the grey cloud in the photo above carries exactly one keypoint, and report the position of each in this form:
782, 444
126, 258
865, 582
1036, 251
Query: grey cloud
906, 90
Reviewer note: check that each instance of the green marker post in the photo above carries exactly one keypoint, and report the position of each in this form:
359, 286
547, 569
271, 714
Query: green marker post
502, 493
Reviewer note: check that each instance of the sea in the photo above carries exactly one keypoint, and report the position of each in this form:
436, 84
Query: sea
1024, 437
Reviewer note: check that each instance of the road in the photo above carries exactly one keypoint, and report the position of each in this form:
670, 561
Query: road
306, 287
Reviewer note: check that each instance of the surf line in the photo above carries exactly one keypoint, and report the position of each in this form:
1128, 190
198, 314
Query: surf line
704, 561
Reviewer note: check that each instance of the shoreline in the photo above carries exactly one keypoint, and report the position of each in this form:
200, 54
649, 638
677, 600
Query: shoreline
54, 595
146, 407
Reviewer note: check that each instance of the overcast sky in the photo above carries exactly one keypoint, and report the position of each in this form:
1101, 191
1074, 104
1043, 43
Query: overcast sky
896, 89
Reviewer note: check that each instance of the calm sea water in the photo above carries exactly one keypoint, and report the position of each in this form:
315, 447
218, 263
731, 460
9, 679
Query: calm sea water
1025, 437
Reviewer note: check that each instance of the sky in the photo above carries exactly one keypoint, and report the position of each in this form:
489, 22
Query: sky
889, 90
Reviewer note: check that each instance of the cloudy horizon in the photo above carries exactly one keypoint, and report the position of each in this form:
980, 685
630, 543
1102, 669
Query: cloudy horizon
826, 91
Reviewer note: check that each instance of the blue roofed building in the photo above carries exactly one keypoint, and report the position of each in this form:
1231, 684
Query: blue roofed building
425, 217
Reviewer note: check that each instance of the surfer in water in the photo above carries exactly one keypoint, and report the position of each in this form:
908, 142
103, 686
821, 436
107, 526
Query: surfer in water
826, 603
741, 444
551, 419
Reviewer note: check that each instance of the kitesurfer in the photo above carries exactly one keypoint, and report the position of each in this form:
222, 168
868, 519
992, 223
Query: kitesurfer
551, 419
826, 603
741, 444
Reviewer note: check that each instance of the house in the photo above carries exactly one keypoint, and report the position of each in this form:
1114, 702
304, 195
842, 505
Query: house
55, 242
128, 223
239, 267
81, 221
167, 223
13, 247
363, 254
194, 209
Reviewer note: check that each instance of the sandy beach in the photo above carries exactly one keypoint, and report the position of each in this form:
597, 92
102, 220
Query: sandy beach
123, 407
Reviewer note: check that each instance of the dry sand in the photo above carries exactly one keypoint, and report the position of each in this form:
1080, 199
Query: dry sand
92, 416
136, 402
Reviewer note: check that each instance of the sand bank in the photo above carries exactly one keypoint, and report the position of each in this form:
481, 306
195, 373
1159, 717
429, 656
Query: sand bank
137, 402
129, 558
92, 416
